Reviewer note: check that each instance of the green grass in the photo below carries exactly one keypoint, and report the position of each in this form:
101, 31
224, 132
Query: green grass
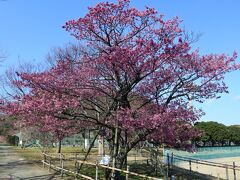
90, 171
143, 169
35, 154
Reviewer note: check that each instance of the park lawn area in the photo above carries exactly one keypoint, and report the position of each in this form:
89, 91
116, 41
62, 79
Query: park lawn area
31, 154
35, 153
90, 171
77, 150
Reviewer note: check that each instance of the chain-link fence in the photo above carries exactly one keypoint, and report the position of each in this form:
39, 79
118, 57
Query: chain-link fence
213, 169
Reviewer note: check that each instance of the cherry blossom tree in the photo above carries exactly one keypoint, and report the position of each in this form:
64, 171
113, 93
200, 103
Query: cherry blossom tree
147, 71
132, 81
34, 106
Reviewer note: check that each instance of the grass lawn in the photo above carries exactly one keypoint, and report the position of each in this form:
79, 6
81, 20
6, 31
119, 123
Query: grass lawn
35, 154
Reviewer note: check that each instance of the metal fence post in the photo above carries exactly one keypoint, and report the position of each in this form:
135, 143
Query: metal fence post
167, 164
127, 173
77, 169
135, 157
197, 165
168, 160
190, 165
62, 165
234, 171
227, 177
44, 160
49, 164
96, 170
60, 159
75, 159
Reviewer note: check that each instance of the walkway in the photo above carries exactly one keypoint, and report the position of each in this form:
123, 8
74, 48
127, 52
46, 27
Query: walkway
14, 167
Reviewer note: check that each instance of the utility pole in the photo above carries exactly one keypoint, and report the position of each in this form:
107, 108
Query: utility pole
100, 138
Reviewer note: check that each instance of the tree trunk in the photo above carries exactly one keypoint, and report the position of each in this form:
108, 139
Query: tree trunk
115, 151
89, 149
120, 160
59, 146
119, 153
116, 176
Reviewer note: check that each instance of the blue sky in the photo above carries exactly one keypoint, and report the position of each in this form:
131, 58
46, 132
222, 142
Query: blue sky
29, 29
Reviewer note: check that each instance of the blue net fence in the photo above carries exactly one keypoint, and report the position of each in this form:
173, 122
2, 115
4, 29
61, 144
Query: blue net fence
220, 168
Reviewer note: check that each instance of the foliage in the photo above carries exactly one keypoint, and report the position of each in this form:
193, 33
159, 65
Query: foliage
215, 132
234, 134
132, 82
12, 140
6, 125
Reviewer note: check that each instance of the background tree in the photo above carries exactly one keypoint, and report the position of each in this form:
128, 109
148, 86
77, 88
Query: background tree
220, 135
234, 134
132, 82
213, 132
6, 125
14, 91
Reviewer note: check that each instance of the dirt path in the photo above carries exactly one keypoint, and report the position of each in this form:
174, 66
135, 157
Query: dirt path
14, 167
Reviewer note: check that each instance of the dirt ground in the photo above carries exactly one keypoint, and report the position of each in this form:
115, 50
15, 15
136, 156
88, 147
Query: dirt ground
218, 172
14, 167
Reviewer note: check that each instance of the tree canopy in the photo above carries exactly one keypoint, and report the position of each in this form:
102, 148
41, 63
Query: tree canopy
132, 81
218, 134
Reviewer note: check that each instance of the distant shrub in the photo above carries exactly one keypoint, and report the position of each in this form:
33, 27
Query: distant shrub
12, 140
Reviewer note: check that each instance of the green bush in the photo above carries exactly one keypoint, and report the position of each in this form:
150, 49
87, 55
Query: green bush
12, 140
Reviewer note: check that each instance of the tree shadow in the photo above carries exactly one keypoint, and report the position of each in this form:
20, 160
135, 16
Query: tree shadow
40, 177
21, 165
14, 164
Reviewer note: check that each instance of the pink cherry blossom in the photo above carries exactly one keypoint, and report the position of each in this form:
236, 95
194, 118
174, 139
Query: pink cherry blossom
137, 73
